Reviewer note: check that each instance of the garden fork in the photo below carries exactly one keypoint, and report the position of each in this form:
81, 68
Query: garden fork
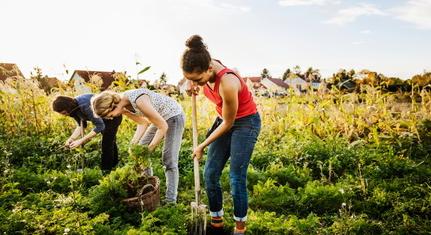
198, 209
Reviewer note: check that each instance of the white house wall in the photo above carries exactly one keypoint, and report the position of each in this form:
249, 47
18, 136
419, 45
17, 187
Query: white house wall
272, 87
79, 85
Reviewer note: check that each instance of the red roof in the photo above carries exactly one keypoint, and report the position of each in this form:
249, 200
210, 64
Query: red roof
9, 71
279, 82
107, 77
253, 79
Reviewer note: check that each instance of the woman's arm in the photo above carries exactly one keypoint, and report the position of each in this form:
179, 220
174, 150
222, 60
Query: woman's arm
83, 140
140, 128
74, 136
229, 88
144, 105
136, 118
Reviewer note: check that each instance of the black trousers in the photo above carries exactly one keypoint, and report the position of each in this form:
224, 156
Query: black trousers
109, 143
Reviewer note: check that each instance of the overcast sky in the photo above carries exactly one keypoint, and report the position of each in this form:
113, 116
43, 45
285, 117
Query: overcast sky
388, 36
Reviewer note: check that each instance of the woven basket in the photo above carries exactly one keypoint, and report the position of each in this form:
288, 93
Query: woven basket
150, 198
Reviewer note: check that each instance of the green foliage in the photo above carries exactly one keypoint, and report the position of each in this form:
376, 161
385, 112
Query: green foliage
169, 219
141, 156
271, 223
107, 196
29, 181
268, 196
9, 195
331, 163
322, 199
355, 225
56, 221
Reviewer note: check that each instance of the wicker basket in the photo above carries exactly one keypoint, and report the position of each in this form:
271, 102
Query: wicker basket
150, 198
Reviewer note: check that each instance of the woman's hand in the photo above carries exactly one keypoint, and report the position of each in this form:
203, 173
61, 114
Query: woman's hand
76, 143
192, 89
198, 152
151, 147
68, 142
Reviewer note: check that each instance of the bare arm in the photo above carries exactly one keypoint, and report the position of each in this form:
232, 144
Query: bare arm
144, 105
83, 140
76, 133
229, 88
140, 128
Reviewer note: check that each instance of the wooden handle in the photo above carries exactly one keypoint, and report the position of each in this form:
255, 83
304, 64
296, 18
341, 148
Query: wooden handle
195, 144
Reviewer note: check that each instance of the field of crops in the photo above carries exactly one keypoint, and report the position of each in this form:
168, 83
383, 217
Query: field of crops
324, 164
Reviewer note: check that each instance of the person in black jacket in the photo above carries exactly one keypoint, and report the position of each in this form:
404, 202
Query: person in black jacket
79, 108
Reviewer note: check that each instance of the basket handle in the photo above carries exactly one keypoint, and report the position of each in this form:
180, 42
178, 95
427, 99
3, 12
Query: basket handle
145, 189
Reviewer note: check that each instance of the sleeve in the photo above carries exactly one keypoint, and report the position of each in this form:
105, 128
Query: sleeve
98, 123
78, 118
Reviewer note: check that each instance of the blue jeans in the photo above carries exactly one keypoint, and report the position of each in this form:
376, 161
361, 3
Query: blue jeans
238, 144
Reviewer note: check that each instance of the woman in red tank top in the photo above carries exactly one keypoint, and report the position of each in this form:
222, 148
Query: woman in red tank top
233, 134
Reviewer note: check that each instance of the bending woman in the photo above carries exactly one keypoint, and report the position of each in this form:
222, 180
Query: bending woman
234, 132
157, 116
79, 108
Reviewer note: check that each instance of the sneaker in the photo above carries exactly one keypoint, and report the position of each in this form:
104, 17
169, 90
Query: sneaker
237, 231
217, 222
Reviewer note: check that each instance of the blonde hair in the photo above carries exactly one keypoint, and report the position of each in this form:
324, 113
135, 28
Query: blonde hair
104, 103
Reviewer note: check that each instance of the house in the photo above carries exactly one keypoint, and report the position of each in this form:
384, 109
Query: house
255, 85
348, 85
101, 79
182, 86
275, 86
168, 89
253, 82
298, 84
10, 71
315, 85
49, 83
362, 75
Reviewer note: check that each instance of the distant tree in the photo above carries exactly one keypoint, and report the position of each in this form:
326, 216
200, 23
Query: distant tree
286, 74
312, 75
163, 79
340, 76
308, 73
159, 83
373, 79
297, 70
265, 73
393, 84
422, 80
44, 81
342, 80
36, 73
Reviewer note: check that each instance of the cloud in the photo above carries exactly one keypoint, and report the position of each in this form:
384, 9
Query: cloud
207, 5
290, 3
417, 12
357, 43
349, 15
229, 6
365, 31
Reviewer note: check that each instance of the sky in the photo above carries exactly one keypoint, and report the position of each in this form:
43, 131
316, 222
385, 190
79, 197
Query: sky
392, 37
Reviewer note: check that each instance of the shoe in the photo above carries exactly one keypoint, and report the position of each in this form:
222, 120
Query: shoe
217, 222
237, 231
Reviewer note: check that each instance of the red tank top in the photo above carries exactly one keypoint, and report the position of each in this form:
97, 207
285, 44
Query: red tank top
246, 104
